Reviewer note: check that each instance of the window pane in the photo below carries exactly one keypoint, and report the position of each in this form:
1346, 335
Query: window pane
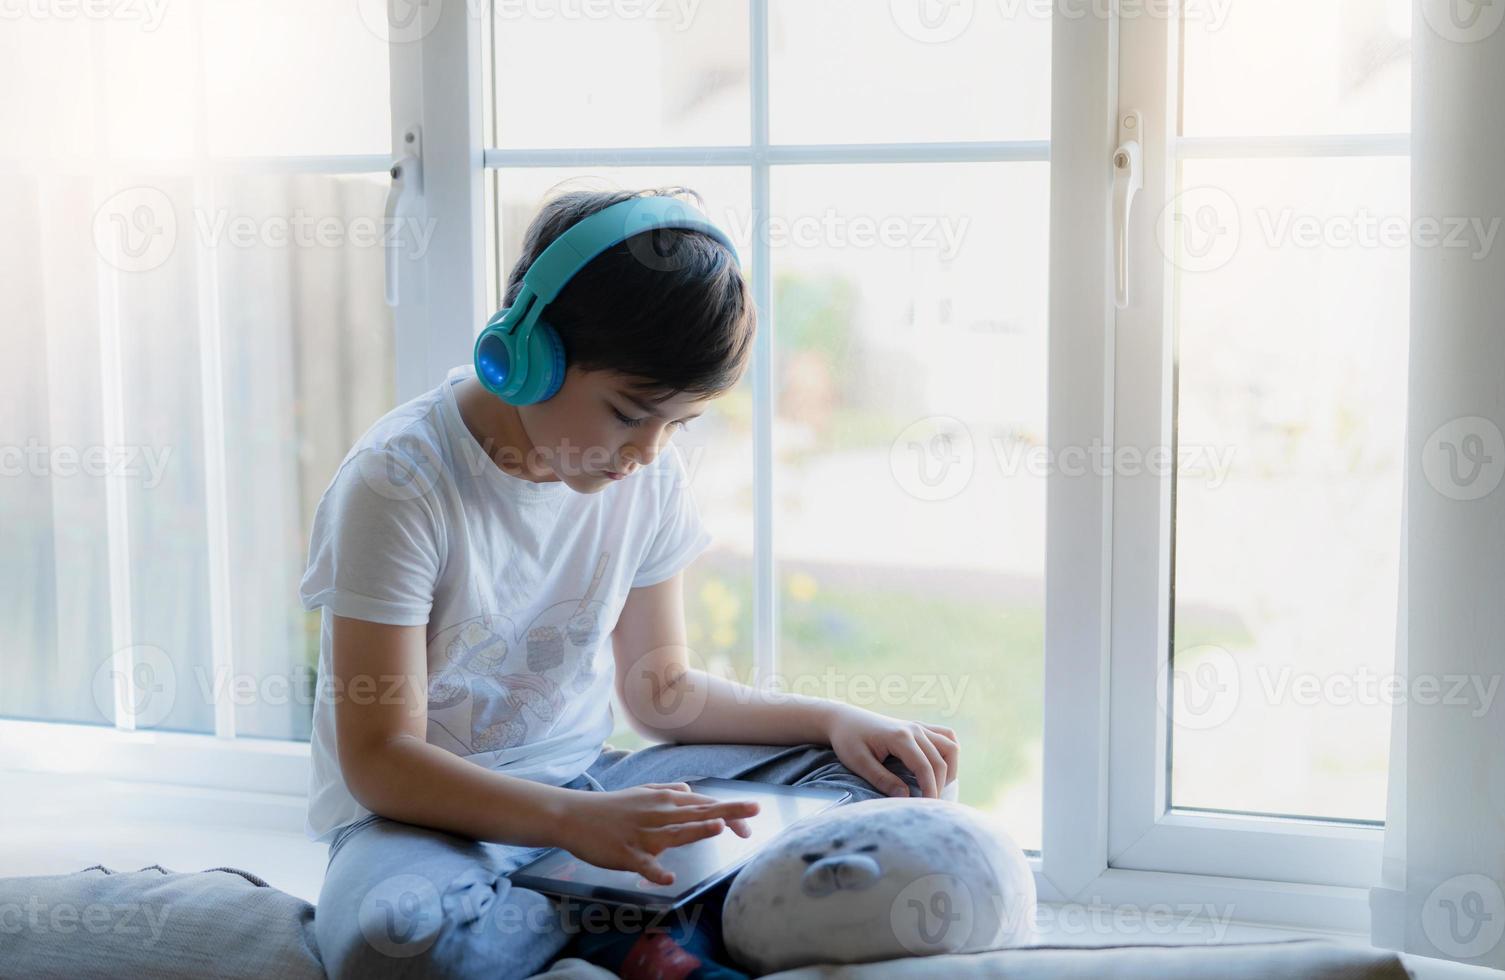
1291, 358
294, 78
306, 362
169, 80
124, 278
637, 74
162, 402
717, 447
307, 367
54, 565
50, 57
910, 328
1277, 67
855, 71
109, 416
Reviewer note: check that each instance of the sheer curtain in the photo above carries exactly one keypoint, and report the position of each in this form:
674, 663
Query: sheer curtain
192, 333
1442, 890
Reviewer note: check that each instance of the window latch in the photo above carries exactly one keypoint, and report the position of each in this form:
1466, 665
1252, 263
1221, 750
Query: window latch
1128, 179
402, 199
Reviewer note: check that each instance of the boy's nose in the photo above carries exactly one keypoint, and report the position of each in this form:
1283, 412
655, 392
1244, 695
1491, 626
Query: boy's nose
634, 458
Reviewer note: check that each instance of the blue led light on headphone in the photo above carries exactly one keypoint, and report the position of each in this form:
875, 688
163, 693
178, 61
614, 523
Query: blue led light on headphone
519, 356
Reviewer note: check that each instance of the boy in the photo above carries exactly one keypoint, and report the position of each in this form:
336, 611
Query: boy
472, 554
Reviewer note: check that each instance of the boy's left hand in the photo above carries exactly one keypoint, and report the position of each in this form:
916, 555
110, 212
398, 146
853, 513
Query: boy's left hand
862, 739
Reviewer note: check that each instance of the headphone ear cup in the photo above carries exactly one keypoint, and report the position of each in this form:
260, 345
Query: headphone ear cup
556, 362
546, 365
494, 357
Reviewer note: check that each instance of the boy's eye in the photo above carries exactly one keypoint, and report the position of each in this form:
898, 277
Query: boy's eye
634, 423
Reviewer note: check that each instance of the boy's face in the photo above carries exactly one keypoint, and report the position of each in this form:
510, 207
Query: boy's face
580, 433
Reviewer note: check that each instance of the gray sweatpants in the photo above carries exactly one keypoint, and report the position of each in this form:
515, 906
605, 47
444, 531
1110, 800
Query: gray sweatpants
400, 900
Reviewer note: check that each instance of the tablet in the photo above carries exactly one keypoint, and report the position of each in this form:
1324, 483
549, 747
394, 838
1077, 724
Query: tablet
697, 866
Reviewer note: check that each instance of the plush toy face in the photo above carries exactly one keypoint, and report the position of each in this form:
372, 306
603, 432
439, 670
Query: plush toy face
876, 880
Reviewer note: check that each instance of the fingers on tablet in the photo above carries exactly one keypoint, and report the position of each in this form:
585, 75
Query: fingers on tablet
656, 873
732, 808
672, 835
733, 812
688, 798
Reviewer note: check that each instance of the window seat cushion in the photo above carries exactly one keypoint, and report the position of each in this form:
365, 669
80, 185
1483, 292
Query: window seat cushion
221, 922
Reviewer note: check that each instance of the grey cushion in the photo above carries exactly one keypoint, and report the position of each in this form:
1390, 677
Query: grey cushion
1297, 959
222, 922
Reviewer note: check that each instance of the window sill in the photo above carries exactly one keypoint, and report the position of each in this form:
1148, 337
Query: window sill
58, 823
196, 761
64, 822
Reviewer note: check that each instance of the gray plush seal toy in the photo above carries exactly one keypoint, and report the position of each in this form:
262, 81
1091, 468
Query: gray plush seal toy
879, 879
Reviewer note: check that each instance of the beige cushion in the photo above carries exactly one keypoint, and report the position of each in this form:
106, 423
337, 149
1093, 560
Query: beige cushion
167, 925
1297, 959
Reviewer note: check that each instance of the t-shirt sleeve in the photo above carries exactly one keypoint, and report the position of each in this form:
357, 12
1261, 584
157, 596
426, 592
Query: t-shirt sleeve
376, 547
681, 536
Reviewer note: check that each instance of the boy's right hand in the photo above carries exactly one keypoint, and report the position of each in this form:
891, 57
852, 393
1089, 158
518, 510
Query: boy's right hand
626, 829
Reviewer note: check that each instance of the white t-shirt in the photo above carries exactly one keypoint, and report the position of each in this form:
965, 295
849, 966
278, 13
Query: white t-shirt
520, 585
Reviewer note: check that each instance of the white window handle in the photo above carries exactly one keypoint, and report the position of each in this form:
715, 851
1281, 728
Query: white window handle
407, 187
1128, 179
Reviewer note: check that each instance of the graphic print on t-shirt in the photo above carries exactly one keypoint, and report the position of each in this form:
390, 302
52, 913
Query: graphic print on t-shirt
492, 690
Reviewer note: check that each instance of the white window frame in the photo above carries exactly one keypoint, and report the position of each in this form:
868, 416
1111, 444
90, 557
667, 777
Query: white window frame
1108, 836
1285, 869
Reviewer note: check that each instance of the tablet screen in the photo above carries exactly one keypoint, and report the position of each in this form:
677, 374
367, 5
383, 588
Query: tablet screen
697, 865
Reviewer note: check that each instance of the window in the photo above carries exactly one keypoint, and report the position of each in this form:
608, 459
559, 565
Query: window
879, 525
1291, 358
1263, 351
194, 335
904, 489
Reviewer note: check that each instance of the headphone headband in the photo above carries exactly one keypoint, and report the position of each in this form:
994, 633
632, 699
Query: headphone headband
594, 234
514, 342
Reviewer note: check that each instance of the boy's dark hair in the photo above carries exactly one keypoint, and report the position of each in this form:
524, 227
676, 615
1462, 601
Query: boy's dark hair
682, 322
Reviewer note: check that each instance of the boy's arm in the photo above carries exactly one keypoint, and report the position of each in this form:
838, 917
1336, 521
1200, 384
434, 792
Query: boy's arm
669, 700
381, 718
666, 704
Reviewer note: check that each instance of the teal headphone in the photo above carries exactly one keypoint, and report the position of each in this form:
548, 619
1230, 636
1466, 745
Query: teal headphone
519, 357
